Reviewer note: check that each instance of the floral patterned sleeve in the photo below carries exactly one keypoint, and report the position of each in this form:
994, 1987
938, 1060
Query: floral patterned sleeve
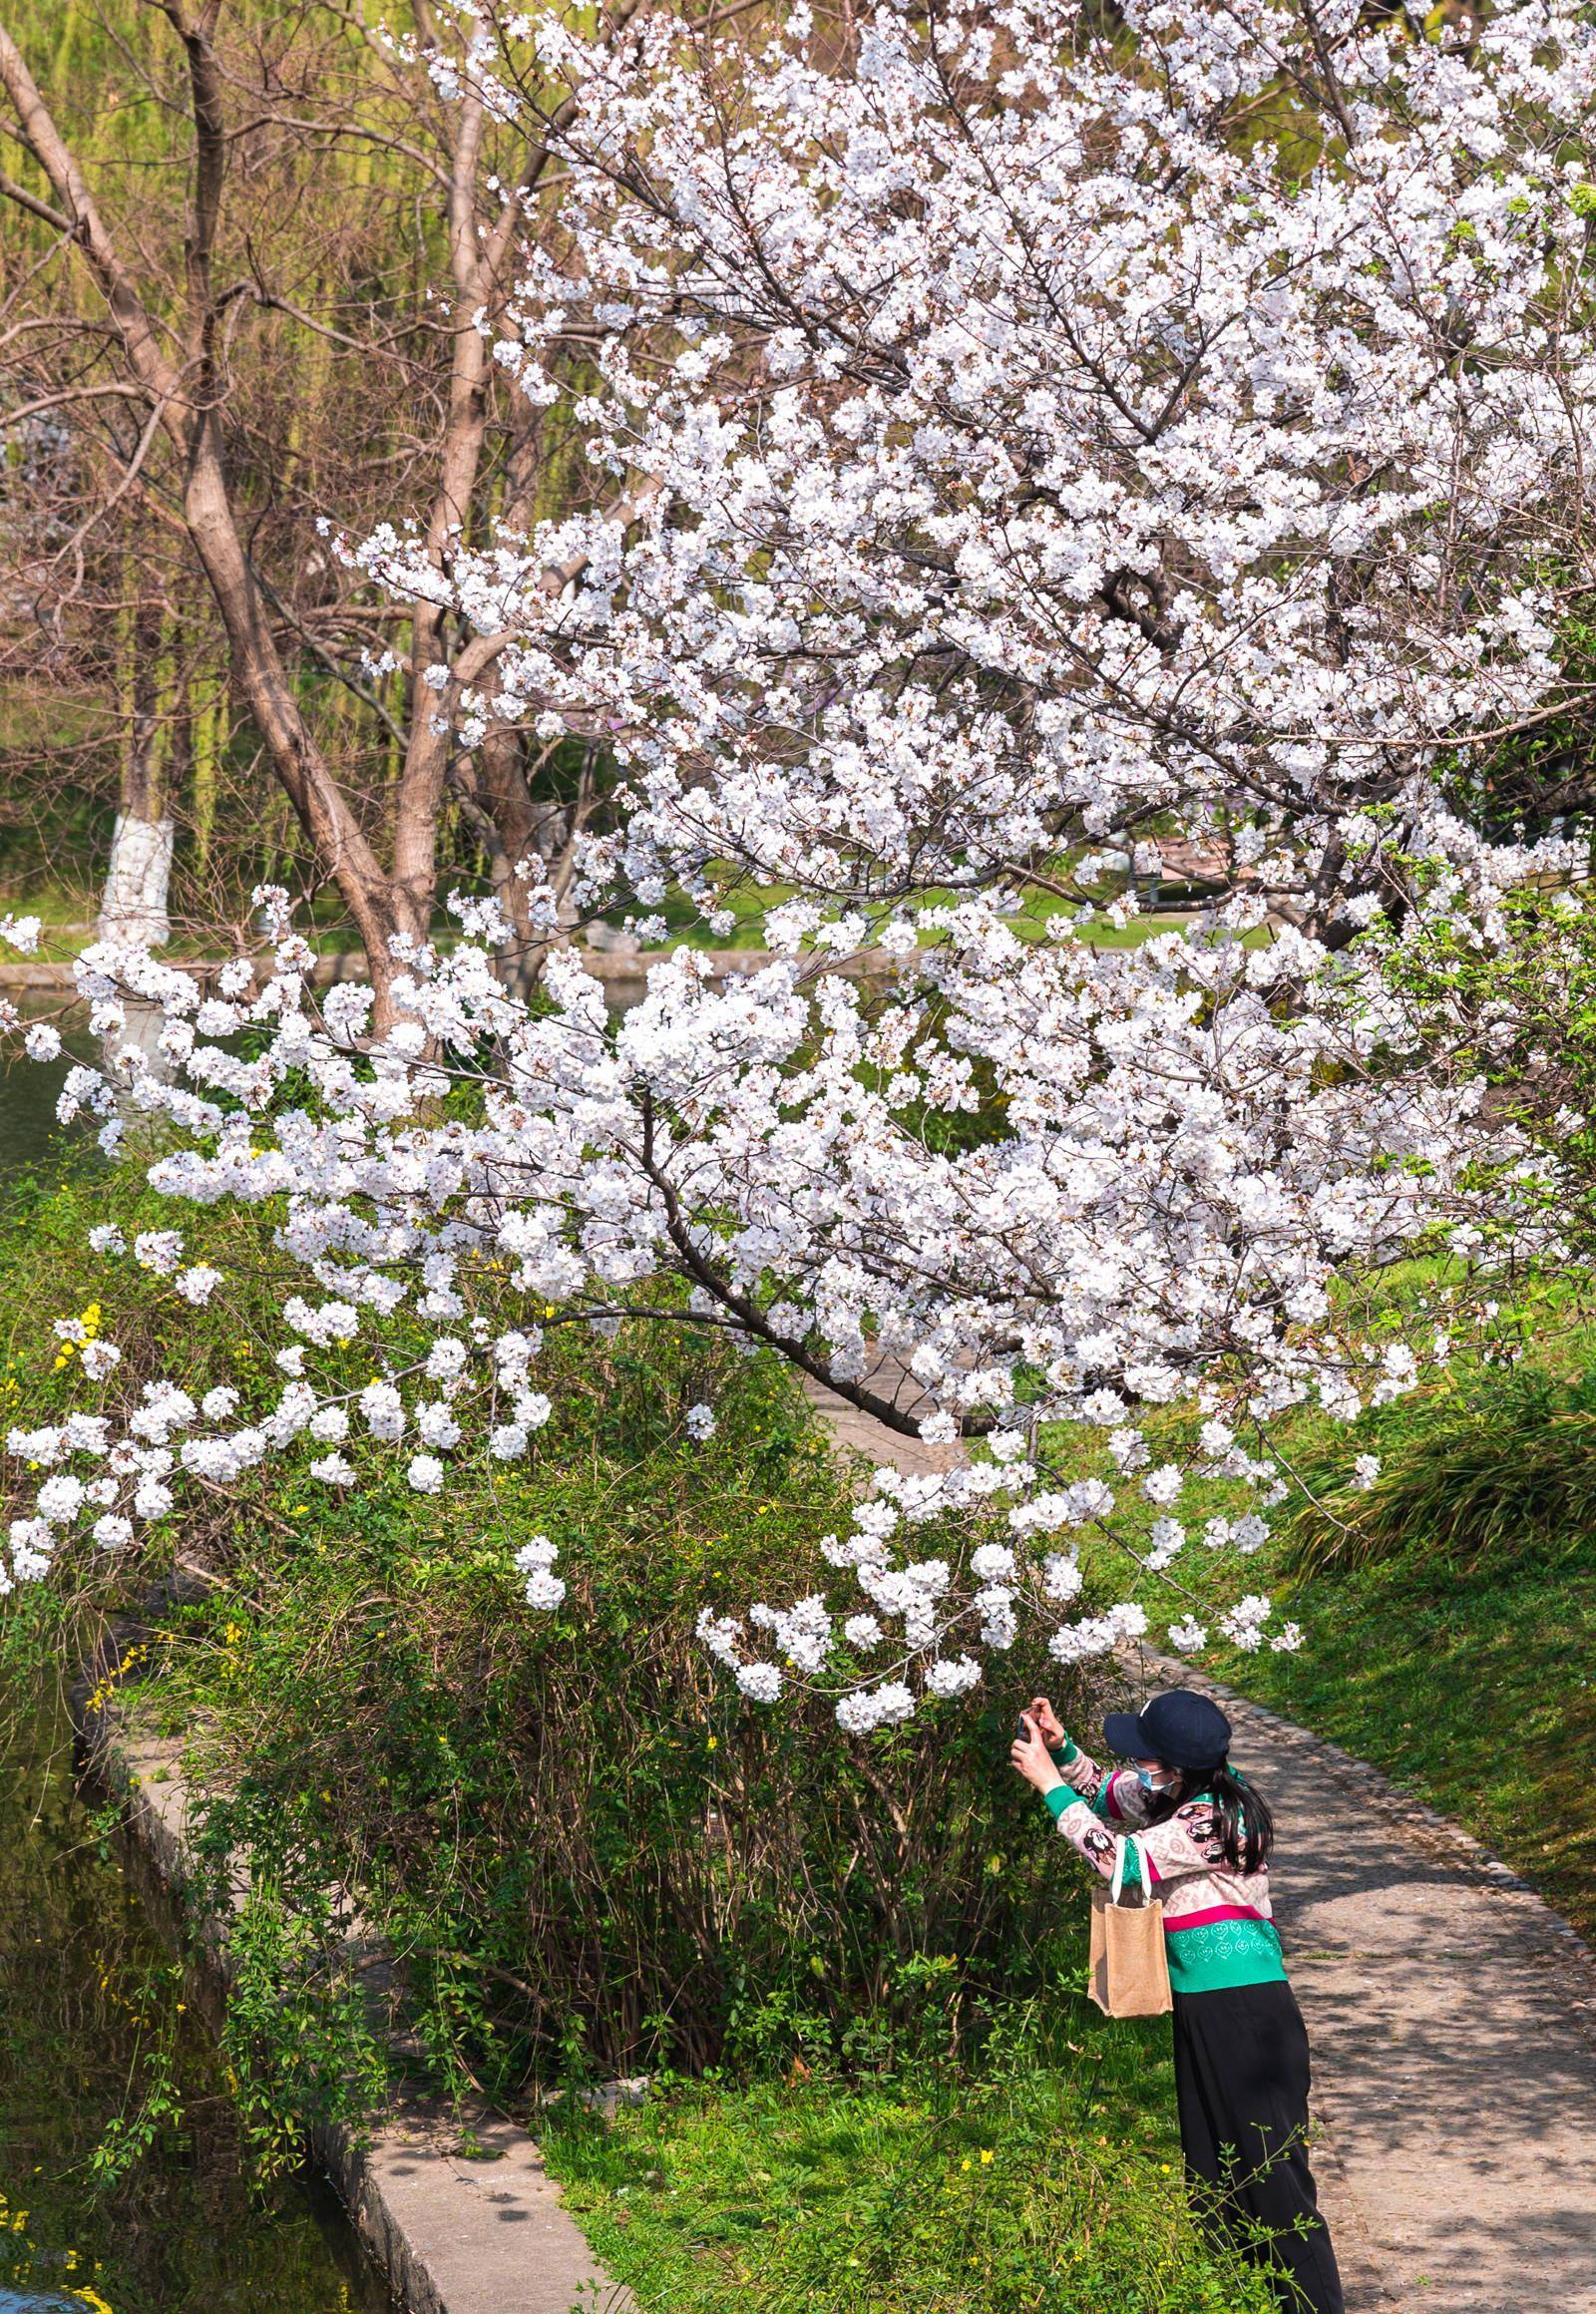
1085, 1831
1116, 1796
1185, 1843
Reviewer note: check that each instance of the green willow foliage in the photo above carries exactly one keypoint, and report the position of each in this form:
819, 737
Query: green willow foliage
333, 358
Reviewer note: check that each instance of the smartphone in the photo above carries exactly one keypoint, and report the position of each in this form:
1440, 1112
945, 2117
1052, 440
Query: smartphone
1025, 1728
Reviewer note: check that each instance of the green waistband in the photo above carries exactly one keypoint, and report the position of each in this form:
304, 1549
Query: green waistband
1222, 1954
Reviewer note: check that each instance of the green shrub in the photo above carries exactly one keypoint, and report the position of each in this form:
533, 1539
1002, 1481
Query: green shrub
587, 1849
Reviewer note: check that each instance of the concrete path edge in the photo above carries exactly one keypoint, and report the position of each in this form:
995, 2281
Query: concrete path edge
452, 2232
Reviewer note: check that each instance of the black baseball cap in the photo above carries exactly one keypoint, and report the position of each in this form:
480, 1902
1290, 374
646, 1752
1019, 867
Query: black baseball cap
1182, 1728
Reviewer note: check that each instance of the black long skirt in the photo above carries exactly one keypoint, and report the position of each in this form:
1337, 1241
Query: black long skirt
1241, 2085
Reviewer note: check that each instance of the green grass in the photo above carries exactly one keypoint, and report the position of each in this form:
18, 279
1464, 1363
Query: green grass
748, 903
1047, 2186
1496, 1471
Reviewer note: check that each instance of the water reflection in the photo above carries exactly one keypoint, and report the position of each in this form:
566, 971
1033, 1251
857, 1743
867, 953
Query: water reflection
29, 1135
99, 2043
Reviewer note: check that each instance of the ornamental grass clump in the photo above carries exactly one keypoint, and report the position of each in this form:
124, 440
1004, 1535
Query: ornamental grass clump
1494, 1475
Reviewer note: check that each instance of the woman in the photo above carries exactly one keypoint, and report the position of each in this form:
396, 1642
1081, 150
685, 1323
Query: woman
1182, 1825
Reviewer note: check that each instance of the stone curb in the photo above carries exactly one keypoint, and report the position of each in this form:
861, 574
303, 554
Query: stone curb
453, 2232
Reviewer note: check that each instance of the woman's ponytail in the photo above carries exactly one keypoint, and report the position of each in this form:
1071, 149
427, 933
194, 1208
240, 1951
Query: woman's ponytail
1242, 1818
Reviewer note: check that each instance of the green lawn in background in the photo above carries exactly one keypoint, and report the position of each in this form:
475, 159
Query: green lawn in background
68, 916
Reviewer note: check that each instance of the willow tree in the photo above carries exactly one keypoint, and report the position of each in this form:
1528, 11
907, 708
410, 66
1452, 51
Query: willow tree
256, 261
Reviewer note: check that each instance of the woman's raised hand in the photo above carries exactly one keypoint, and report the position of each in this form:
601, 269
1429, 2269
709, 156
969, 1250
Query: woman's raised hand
1033, 1760
1047, 1721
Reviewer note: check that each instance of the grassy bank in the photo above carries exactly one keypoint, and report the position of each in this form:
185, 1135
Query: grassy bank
1047, 2184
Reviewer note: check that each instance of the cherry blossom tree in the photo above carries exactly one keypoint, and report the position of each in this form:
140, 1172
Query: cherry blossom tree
1042, 440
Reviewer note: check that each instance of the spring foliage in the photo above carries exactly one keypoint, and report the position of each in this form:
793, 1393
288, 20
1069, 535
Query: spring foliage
1037, 446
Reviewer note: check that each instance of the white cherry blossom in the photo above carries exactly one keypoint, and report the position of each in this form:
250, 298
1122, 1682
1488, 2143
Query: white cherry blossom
1034, 487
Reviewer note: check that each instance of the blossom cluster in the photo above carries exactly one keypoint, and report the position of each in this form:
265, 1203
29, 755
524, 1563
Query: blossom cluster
1032, 481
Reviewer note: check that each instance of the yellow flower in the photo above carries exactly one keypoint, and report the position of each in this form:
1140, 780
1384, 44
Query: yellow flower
986, 2155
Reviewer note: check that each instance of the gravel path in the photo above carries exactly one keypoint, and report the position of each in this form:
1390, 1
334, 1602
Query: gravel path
1452, 2018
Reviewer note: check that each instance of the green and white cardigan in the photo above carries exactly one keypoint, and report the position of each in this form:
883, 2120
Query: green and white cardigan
1218, 1927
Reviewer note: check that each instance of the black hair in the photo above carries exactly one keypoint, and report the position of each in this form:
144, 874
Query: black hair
1243, 1818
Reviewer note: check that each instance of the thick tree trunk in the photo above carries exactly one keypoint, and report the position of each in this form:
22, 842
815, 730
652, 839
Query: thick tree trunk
134, 910
132, 904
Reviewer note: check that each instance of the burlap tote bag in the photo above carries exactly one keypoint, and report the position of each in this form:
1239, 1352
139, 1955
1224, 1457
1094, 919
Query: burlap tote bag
1130, 1968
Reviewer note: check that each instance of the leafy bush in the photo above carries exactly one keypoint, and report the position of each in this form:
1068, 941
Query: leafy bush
587, 1850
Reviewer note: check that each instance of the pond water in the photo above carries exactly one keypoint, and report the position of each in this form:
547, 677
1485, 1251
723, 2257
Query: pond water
121, 2189
30, 1138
